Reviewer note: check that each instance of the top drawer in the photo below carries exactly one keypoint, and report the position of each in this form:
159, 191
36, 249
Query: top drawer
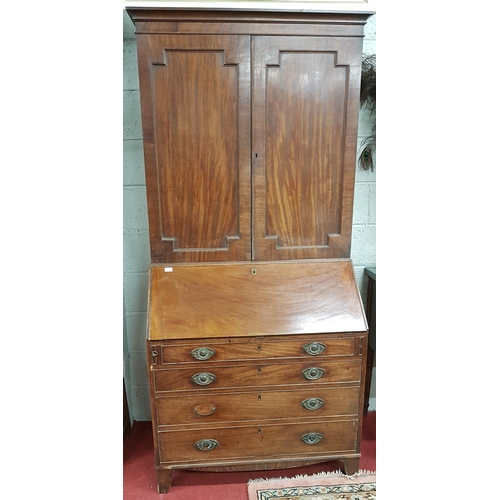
216, 350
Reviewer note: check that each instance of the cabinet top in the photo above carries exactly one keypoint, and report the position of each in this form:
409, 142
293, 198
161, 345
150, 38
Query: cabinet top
183, 19
183, 11
253, 299
368, 6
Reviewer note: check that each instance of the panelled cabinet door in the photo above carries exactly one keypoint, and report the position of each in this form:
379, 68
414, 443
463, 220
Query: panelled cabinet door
304, 126
195, 103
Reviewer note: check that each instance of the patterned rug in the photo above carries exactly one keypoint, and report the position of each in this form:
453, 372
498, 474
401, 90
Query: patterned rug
325, 486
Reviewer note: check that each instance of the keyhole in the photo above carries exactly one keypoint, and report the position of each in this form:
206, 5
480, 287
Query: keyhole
256, 155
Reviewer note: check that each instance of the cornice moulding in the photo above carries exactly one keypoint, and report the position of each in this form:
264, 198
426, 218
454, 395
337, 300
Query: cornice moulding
365, 6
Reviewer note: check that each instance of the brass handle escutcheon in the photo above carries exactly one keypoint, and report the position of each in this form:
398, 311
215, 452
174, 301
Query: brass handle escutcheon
202, 353
205, 410
312, 438
313, 373
154, 355
313, 403
314, 348
203, 378
206, 444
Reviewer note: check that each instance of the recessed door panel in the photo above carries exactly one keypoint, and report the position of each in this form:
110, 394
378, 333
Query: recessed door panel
197, 139
304, 144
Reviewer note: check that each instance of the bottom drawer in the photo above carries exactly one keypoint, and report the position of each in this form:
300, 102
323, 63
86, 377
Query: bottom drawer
258, 442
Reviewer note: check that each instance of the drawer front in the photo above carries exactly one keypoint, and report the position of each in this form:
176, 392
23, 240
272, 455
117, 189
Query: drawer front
258, 442
241, 349
316, 371
249, 406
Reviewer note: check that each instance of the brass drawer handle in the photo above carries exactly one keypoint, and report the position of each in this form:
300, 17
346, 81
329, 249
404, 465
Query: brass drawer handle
312, 438
206, 444
313, 373
204, 410
314, 348
313, 403
202, 353
203, 378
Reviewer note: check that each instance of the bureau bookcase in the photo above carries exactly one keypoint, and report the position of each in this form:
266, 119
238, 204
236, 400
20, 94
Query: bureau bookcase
256, 331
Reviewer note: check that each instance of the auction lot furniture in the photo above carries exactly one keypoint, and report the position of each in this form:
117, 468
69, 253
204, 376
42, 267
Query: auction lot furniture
257, 336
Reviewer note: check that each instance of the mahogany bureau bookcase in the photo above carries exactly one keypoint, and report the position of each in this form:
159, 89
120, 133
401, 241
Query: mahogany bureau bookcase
257, 337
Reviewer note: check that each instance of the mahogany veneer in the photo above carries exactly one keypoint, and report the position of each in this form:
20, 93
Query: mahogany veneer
257, 336
248, 395
250, 132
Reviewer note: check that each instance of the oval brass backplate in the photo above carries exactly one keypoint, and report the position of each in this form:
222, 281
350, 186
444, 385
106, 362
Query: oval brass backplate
254, 271
202, 353
206, 444
204, 410
203, 378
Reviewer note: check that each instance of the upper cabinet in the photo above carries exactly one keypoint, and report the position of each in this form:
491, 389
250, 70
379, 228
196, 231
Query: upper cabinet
250, 131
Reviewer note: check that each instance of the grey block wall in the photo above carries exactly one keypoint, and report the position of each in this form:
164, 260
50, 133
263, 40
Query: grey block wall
136, 258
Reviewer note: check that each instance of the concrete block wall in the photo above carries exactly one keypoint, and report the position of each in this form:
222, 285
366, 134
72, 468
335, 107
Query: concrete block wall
136, 258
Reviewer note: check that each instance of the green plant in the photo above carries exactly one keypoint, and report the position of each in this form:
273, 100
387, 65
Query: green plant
368, 100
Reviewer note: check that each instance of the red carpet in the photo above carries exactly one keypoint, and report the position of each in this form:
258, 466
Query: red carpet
139, 477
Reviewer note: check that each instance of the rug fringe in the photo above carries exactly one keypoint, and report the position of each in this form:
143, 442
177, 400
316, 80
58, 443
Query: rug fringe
360, 473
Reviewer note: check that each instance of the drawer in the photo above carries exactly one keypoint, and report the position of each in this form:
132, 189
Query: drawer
255, 348
258, 442
258, 405
257, 375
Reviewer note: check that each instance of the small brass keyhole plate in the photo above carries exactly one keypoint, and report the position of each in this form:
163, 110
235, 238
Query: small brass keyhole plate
254, 271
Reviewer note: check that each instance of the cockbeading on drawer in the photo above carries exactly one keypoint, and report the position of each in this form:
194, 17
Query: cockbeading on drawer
234, 349
266, 374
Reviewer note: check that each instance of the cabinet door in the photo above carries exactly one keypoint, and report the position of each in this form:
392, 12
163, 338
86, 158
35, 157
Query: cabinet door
305, 116
195, 103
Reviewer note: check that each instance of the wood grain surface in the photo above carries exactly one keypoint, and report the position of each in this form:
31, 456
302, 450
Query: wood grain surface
249, 123
254, 348
209, 409
195, 103
228, 300
259, 441
257, 375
